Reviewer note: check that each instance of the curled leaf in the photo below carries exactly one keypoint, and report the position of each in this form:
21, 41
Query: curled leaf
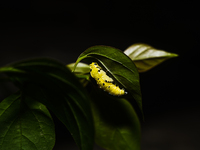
118, 65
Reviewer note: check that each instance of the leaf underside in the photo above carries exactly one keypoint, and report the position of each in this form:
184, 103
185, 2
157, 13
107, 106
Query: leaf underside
146, 57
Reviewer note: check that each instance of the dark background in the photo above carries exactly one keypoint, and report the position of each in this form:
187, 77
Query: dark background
64, 29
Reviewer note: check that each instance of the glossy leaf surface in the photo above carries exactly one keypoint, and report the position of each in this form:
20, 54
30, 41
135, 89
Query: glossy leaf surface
52, 84
118, 66
25, 124
146, 57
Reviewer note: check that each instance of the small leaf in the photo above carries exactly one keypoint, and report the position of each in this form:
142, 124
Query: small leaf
25, 124
146, 57
117, 126
119, 66
80, 68
81, 72
52, 84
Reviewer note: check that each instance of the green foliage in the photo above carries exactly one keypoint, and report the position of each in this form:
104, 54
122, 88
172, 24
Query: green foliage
82, 72
116, 123
88, 112
52, 84
25, 124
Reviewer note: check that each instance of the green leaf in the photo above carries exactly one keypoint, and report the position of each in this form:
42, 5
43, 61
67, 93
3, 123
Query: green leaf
146, 57
117, 126
25, 124
80, 68
52, 84
119, 66
81, 72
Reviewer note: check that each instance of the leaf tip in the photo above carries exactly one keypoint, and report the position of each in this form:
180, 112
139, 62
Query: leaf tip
174, 55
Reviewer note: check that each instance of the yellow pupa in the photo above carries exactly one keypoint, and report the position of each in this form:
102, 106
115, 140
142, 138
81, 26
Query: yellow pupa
105, 82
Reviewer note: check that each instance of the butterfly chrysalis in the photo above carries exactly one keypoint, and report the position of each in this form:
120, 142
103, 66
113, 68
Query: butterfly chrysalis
104, 81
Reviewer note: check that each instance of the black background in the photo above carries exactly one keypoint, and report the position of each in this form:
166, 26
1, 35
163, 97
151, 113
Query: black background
64, 29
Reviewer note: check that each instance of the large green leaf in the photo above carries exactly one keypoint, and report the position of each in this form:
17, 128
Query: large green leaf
119, 66
25, 124
146, 57
117, 126
52, 84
